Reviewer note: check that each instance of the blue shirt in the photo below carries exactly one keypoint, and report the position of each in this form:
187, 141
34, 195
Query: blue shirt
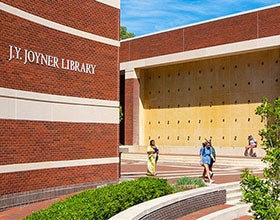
206, 152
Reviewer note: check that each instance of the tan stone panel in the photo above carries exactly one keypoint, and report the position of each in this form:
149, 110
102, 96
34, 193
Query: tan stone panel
200, 100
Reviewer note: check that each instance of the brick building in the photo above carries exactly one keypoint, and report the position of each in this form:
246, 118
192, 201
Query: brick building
59, 98
203, 80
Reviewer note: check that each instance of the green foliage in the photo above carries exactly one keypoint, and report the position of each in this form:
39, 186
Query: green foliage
105, 202
120, 113
190, 181
270, 113
124, 34
264, 194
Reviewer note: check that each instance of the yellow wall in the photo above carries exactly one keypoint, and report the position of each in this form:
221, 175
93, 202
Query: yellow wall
185, 103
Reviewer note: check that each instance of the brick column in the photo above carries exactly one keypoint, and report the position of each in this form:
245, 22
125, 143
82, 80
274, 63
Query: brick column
131, 110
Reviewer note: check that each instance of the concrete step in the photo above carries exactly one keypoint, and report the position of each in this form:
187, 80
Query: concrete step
230, 213
234, 198
233, 190
235, 202
232, 185
194, 159
234, 193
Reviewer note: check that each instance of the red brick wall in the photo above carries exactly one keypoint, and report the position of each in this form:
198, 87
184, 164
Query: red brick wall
51, 80
131, 113
89, 16
38, 141
269, 22
49, 178
35, 141
229, 30
249, 26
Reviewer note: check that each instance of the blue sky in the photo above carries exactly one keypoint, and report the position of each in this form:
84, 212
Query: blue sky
148, 16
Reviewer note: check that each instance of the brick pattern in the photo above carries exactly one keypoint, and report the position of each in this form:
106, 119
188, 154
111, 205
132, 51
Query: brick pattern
164, 43
269, 22
20, 199
36, 141
224, 31
249, 26
44, 79
131, 111
41, 179
189, 205
89, 16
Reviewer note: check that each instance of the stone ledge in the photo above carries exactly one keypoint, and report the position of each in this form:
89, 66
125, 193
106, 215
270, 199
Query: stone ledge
175, 205
194, 150
233, 212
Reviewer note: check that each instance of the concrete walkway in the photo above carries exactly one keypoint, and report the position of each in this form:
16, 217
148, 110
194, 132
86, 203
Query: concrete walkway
171, 167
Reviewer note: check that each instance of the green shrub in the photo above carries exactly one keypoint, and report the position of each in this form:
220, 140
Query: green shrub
189, 183
105, 202
264, 194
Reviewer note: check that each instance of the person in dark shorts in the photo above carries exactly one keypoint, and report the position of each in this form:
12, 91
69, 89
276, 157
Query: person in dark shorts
205, 159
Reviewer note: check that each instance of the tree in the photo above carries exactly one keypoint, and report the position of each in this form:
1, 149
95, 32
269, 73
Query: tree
264, 193
124, 34
120, 113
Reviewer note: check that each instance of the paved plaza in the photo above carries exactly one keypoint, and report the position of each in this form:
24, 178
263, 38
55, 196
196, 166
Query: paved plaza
171, 167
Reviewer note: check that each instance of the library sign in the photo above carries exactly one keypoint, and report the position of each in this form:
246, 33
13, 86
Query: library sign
30, 56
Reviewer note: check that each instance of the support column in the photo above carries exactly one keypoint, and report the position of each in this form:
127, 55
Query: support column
131, 109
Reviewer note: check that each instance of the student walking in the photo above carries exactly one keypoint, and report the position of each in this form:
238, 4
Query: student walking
206, 154
152, 152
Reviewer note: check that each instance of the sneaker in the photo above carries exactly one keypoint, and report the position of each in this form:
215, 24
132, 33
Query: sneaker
212, 181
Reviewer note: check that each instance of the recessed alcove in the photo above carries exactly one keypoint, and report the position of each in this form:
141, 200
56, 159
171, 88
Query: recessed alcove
215, 102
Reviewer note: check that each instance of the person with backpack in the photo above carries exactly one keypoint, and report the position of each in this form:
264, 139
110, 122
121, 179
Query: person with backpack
206, 155
212, 160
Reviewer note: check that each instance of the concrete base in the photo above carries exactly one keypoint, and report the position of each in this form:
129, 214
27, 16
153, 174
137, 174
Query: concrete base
229, 213
175, 205
220, 151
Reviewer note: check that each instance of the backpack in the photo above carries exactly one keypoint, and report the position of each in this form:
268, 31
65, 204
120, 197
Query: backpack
213, 152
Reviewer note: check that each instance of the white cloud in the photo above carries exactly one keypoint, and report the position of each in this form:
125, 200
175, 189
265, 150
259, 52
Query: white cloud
147, 16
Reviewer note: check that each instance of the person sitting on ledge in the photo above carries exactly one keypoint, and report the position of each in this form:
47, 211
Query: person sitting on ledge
251, 145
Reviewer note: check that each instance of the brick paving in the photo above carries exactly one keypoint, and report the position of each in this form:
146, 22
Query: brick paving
204, 212
136, 169
23, 211
244, 218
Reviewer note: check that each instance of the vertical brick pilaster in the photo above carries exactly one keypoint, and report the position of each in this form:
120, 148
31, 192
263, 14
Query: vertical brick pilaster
131, 112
